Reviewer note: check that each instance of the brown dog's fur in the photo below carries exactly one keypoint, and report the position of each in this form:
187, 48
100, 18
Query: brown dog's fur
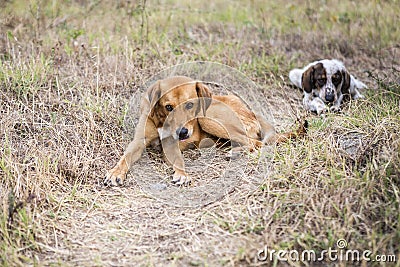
202, 115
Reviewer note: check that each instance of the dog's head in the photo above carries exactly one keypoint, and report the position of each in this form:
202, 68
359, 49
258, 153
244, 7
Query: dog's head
326, 79
176, 103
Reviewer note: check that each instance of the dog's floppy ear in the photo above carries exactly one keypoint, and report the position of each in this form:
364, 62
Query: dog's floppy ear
204, 93
154, 95
346, 82
307, 80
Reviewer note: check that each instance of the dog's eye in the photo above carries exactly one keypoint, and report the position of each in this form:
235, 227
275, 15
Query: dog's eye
336, 79
169, 107
321, 82
189, 105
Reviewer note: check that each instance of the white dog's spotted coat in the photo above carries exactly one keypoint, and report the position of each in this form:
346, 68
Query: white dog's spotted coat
325, 82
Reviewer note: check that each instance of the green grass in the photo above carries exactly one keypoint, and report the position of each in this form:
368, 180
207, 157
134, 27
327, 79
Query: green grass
68, 70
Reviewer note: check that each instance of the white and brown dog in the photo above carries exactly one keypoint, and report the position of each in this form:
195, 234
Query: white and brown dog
325, 82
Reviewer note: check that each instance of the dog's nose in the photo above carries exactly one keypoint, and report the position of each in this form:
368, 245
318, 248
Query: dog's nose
329, 97
182, 133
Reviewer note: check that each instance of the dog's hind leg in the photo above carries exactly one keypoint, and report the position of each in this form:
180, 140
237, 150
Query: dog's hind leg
267, 134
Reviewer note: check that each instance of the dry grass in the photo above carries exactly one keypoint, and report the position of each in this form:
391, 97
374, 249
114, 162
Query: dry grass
67, 76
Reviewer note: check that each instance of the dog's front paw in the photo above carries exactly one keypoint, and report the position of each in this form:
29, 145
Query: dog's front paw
181, 178
115, 177
317, 105
320, 109
335, 109
358, 96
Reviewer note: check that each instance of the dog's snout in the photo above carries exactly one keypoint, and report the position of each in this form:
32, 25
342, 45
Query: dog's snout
182, 133
329, 97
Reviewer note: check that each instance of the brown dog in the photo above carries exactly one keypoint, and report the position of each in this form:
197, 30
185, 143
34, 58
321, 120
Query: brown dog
182, 112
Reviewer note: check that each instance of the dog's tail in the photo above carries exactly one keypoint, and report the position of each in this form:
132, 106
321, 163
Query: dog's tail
269, 136
295, 77
300, 132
